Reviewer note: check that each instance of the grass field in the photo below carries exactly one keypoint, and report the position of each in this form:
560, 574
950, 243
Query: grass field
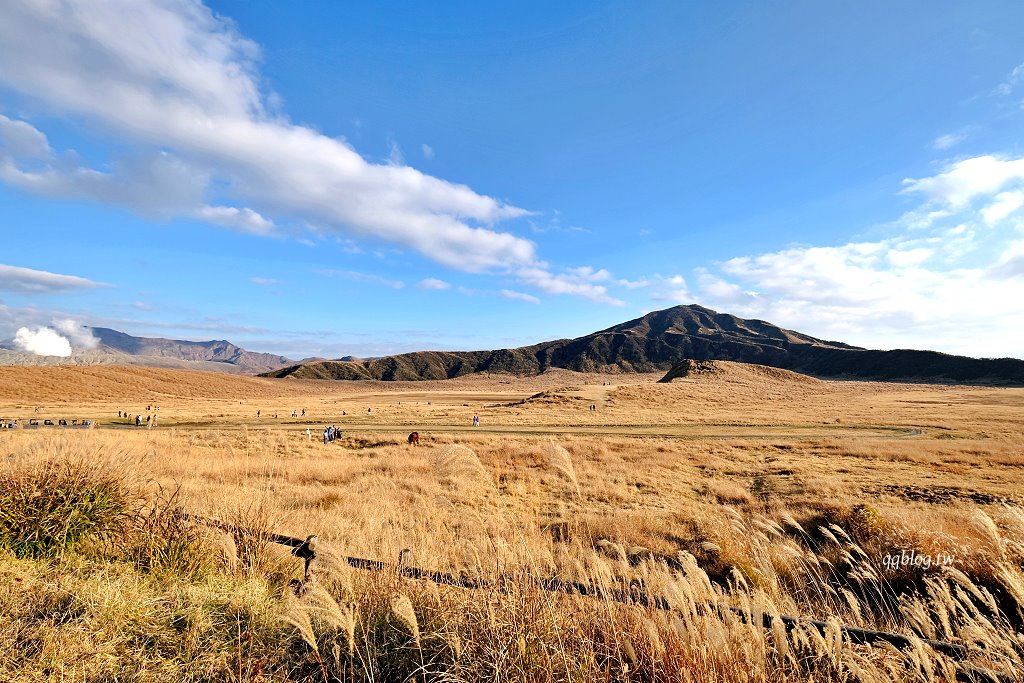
753, 488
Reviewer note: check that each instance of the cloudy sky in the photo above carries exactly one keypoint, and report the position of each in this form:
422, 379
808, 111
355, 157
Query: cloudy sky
329, 178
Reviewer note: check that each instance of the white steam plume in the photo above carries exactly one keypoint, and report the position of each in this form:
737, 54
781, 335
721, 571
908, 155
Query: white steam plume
44, 341
80, 336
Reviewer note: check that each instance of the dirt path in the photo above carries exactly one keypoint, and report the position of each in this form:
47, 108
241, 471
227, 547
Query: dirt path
691, 431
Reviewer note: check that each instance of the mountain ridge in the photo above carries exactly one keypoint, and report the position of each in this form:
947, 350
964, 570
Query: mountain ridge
659, 340
214, 350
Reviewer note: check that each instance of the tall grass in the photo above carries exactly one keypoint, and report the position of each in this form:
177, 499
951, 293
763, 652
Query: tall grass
50, 505
157, 597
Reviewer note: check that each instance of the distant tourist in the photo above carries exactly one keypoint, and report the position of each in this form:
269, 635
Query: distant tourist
476, 420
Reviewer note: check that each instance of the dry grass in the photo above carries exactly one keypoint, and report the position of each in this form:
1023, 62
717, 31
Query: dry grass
779, 522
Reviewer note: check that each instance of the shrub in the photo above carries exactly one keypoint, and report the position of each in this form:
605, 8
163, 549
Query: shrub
52, 507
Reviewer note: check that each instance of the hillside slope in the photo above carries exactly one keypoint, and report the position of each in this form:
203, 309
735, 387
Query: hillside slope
44, 384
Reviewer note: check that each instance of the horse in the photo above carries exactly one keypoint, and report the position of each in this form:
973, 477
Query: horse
414, 439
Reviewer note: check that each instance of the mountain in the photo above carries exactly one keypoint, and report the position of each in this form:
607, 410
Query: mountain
660, 340
214, 351
118, 348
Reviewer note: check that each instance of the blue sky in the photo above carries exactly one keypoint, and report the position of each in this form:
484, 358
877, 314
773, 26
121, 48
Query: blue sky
347, 178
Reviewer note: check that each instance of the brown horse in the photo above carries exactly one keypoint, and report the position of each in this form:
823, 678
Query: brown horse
414, 439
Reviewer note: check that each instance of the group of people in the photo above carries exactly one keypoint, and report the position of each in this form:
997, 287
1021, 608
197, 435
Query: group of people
124, 413
150, 420
330, 434
295, 413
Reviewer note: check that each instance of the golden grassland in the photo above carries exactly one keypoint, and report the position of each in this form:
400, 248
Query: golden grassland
753, 488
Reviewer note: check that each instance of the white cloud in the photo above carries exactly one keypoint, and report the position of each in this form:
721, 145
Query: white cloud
1015, 77
22, 140
173, 76
589, 274
863, 297
1011, 263
965, 180
510, 294
363, 277
432, 283
42, 341
154, 183
178, 86
395, 156
948, 140
264, 281
951, 282
672, 288
29, 281
1004, 204
717, 289
428, 151
905, 258
578, 282
241, 219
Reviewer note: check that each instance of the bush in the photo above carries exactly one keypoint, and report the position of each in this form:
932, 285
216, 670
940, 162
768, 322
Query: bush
51, 508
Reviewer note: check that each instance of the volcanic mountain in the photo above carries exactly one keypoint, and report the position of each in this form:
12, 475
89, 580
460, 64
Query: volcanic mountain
660, 340
117, 348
